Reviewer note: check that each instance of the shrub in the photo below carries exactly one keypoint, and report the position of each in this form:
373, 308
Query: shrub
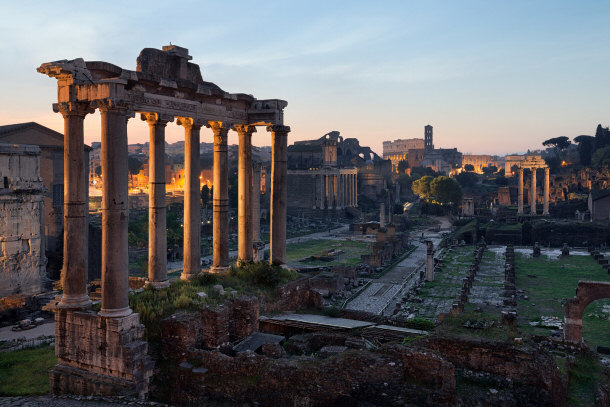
183, 301
420, 323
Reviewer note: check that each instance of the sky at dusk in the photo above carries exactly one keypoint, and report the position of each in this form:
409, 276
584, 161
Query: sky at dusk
491, 77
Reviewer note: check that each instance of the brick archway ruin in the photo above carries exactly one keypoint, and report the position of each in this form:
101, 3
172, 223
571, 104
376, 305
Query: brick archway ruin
586, 293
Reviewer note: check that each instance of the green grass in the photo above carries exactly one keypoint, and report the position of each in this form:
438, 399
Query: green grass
295, 252
26, 371
548, 283
448, 281
258, 279
584, 374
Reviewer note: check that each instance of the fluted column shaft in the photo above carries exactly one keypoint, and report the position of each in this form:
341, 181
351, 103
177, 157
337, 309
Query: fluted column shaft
533, 205
279, 176
244, 191
157, 230
547, 176
192, 199
520, 192
220, 232
74, 271
115, 212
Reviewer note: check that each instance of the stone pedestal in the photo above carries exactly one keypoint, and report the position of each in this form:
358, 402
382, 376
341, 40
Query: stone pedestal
100, 356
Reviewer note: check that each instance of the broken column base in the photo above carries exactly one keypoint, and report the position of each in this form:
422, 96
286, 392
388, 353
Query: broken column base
100, 356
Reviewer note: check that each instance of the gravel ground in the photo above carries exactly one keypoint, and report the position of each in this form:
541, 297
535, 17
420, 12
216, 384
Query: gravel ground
72, 401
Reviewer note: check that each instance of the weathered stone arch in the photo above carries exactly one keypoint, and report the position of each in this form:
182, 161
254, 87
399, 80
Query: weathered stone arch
586, 293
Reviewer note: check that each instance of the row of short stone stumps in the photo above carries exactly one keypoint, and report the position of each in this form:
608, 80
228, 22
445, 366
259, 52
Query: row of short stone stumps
462, 298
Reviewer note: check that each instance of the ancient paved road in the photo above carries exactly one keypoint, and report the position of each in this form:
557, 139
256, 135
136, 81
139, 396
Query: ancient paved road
46, 329
385, 291
72, 401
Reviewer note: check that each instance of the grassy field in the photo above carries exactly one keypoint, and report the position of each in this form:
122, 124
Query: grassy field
448, 281
26, 371
295, 252
548, 283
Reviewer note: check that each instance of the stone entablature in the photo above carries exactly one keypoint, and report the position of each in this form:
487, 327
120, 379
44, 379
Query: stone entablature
155, 88
22, 259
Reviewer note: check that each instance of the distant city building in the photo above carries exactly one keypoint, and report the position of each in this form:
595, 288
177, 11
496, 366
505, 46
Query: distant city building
411, 150
442, 160
421, 152
478, 161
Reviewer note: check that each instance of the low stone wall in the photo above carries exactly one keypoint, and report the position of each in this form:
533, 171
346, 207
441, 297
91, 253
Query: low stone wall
294, 295
385, 377
528, 366
208, 328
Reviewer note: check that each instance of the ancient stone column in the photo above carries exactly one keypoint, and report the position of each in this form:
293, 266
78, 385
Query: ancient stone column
322, 191
533, 205
429, 260
192, 198
220, 238
244, 192
74, 271
115, 210
520, 192
279, 175
382, 215
547, 176
157, 231
336, 191
355, 183
256, 208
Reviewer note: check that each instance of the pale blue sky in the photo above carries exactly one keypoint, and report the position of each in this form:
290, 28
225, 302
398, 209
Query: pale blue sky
490, 76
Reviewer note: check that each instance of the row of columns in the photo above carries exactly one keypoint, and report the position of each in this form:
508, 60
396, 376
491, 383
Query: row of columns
337, 191
115, 216
533, 194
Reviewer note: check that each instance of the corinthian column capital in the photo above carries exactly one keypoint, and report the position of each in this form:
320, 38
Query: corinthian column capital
244, 129
156, 119
279, 129
190, 122
73, 108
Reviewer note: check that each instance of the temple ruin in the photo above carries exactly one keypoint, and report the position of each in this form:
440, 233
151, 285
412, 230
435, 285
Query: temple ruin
533, 163
164, 87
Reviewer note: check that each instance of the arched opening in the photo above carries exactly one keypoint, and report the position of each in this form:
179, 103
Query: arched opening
586, 293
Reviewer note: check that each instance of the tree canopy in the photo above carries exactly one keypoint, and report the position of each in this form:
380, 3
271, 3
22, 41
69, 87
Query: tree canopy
134, 165
586, 145
469, 167
421, 187
558, 143
446, 190
490, 169
402, 166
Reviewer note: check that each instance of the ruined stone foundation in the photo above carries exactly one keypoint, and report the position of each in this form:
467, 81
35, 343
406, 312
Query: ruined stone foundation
100, 356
